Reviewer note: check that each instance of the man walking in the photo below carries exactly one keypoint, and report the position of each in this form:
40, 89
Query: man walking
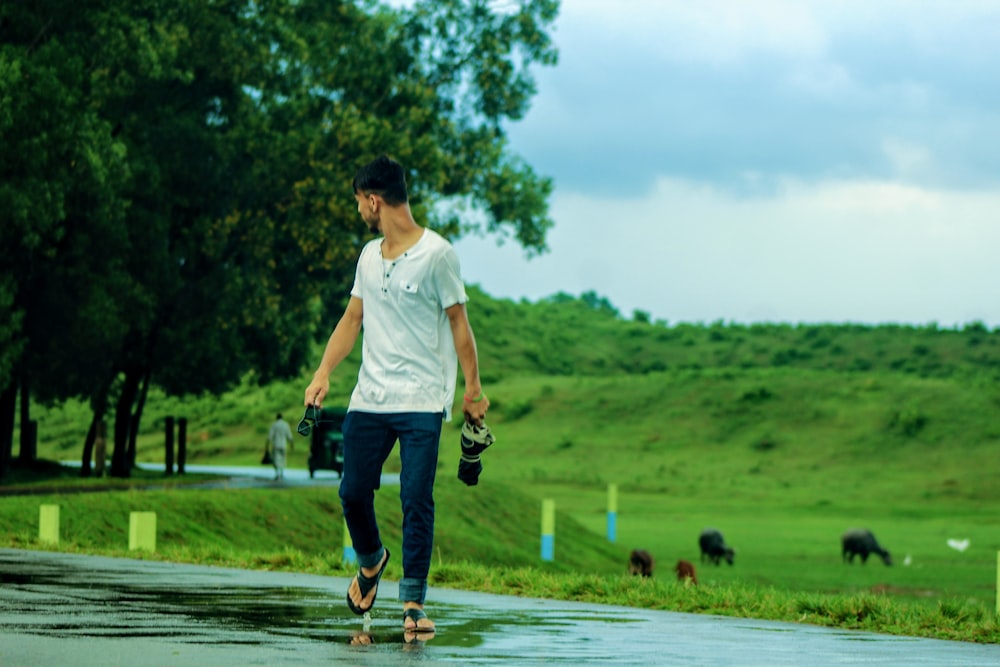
409, 297
280, 437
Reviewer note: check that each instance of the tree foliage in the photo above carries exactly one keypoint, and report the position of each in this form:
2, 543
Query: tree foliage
61, 169
177, 177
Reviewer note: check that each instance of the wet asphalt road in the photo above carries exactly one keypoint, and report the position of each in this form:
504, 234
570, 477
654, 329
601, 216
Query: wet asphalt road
69, 609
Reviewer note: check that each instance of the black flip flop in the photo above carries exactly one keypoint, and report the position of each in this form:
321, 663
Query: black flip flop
365, 585
415, 615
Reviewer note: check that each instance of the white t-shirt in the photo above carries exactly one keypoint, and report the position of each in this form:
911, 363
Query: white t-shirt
408, 359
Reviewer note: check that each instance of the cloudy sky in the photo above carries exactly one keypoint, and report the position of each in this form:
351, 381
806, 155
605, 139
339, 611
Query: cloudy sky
767, 160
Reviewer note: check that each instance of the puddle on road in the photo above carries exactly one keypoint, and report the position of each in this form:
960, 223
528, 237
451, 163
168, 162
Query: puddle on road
66, 605
180, 609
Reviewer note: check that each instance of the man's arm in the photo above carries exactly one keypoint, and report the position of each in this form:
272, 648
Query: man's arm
341, 342
468, 358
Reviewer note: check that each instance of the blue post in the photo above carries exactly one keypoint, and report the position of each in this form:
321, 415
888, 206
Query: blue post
350, 557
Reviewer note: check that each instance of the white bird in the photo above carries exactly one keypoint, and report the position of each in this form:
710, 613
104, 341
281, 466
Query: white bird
959, 545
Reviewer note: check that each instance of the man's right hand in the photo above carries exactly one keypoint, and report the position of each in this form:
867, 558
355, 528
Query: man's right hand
316, 392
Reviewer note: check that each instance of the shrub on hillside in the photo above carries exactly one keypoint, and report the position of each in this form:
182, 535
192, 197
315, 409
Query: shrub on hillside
908, 421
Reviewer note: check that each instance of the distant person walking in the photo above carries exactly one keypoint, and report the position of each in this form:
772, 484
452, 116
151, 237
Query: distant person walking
280, 437
409, 296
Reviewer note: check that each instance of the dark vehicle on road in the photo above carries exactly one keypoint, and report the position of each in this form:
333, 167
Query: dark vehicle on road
326, 449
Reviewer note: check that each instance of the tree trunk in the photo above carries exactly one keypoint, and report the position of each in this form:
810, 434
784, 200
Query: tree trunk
132, 433
101, 445
136, 418
88, 447
8, 406
99, 406
123, 423
29, 435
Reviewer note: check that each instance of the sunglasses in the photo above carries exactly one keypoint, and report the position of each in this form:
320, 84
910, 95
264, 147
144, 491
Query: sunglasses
309, 419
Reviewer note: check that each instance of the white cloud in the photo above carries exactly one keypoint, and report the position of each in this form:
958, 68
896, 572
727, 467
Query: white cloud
780, 160
908, 160
709, 31
816, 90
822, 79
833, 252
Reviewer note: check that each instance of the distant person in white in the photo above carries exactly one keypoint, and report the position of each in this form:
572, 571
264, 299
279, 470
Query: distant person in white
280, 437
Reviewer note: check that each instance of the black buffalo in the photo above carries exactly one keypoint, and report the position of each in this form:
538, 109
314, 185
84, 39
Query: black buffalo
713, 547
861, 542
640, 562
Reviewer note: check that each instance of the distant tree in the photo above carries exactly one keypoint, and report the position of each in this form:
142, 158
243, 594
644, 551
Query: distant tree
599, 303
976, 326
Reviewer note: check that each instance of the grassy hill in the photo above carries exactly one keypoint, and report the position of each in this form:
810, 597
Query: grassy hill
781, 461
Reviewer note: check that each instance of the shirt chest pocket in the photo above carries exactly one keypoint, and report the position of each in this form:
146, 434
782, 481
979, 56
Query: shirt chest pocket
409, 287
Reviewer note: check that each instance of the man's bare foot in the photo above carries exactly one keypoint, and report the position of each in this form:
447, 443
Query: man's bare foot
365, 603
414, 618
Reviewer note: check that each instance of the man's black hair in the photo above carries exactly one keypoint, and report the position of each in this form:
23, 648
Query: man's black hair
384, 177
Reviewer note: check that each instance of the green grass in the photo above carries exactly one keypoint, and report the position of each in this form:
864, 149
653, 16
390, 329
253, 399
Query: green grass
487, 541
706, 434
800, 550
782, 460
45, 476
485, 524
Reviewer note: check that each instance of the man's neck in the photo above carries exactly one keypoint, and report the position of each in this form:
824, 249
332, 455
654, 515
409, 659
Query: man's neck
400, 232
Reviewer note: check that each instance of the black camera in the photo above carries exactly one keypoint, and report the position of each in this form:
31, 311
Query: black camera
309, 419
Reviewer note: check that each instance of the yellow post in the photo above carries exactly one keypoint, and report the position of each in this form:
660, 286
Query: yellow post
48, 524
142, 531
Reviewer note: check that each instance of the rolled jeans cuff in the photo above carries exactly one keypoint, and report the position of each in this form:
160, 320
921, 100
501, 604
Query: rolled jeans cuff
412, 590
371, 560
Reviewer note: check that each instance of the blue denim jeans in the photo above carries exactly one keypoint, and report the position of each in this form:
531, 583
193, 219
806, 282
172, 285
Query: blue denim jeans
368, 439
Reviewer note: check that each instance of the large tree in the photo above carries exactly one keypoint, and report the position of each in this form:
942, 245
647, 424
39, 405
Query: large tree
60, 173
227, 134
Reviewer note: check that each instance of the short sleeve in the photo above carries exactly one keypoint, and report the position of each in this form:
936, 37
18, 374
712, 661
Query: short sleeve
357, 290
448, 279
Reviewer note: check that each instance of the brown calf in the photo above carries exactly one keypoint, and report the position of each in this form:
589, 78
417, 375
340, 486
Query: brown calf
685, 572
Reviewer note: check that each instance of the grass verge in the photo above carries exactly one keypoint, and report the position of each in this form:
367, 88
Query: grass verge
486, 540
